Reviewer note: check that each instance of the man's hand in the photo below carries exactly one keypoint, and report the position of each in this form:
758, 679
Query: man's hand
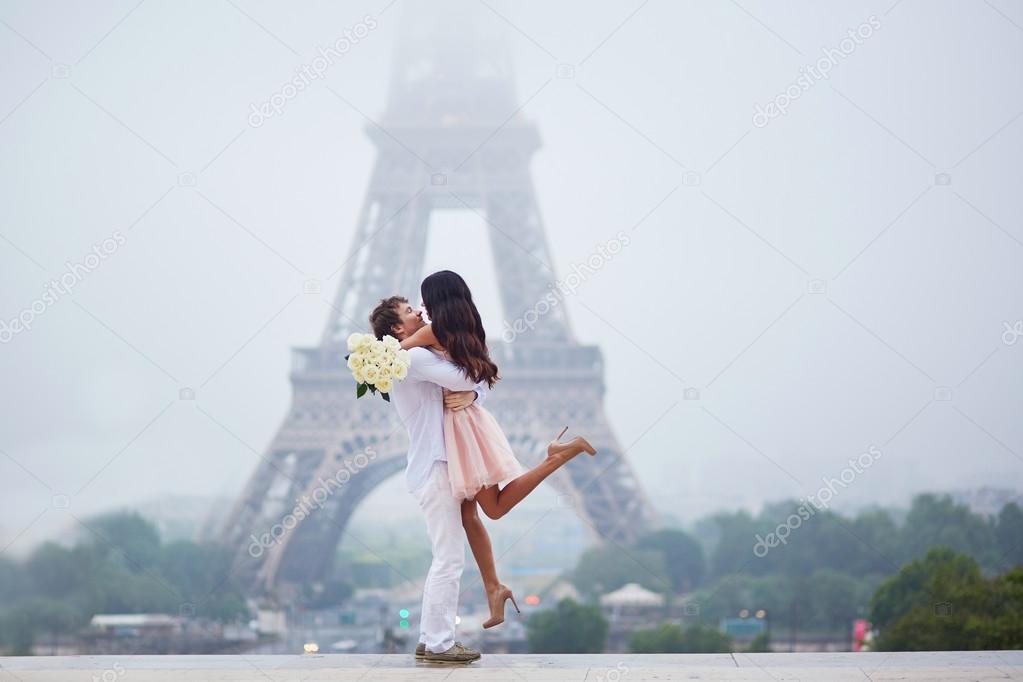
458, 400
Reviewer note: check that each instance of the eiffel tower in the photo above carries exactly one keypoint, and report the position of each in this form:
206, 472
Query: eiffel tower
448, 140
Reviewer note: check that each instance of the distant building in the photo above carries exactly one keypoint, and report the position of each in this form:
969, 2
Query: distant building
271, 621
161, 633
633, 597
629, 608
136, 624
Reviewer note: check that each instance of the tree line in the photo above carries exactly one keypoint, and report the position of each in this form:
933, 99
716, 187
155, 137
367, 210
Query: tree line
119, 566
829, 570
818, 574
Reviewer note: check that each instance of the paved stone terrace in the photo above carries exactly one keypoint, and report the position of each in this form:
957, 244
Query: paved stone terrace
987, 665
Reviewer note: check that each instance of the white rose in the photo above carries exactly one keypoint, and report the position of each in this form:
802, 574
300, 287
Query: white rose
359, 377
403, 357
384, 385
365, 343
355, 361
401, 372
353, 341
372, 373
391, 343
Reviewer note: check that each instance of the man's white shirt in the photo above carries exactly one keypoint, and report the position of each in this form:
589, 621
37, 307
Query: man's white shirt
419, 399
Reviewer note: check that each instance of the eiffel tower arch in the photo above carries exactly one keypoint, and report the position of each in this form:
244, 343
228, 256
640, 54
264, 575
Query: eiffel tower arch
448, 140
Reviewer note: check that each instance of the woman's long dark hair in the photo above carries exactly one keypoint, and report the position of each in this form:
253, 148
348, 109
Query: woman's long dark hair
457, 325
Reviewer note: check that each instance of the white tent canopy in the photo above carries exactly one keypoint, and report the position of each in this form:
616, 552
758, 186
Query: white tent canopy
632, 594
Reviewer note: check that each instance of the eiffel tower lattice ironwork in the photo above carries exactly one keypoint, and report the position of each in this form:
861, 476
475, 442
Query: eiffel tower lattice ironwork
448, 139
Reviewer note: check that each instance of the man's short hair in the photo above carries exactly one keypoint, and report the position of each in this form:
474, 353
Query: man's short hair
385, 316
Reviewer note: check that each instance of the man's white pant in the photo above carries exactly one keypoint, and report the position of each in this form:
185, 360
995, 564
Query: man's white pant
440, 593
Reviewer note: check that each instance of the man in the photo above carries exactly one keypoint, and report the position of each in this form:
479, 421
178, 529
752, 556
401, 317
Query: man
420, 400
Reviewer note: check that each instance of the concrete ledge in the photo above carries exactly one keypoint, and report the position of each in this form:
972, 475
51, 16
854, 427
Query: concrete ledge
970, 665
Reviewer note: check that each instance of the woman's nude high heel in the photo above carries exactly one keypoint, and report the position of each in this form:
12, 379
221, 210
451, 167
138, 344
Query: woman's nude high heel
497, 601
569, 448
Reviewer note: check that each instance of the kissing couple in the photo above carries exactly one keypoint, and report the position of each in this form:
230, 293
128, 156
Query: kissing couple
458, 454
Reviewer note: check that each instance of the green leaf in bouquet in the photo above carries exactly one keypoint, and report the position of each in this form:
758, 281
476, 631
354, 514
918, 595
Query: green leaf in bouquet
360, 390
385, 396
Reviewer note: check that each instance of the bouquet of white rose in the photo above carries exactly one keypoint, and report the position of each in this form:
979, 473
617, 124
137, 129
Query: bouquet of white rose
376, 364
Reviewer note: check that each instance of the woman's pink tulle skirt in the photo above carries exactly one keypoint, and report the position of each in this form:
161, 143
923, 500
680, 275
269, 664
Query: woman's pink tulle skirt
479, 454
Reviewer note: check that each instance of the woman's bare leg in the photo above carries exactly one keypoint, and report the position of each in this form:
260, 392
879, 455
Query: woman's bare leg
479, 543
496, 502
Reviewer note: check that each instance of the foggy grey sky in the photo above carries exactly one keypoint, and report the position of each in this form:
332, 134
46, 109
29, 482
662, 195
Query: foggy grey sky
104, 108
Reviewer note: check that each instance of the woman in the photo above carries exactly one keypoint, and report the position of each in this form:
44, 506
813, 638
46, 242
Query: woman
479, 455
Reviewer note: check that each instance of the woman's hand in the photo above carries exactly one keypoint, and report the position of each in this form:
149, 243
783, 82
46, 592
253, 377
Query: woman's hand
458, 400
